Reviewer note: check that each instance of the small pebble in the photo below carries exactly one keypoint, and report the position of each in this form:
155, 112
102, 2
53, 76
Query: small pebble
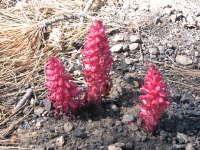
60, 141
68, 127
113, 147
134, 39
79, 133
127, 118
39, 111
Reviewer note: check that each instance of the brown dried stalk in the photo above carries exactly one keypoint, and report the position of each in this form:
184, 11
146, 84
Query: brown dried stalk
27, 96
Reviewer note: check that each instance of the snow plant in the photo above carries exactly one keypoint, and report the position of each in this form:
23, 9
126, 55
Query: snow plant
97, 62
155, 101
63, 93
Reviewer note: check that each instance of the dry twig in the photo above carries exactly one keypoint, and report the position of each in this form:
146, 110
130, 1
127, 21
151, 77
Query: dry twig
86, 9
26, 97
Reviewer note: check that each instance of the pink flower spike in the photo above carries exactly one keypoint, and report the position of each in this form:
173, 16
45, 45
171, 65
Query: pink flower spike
62, 91
155, 101
97, 62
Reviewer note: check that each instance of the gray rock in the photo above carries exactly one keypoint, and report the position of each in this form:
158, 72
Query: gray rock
119, 128
190, 146
38, 124
182, 138
58, 129
118, 38
158, 21
176, 96
33, 101
134, 39
170, 51
197, 126
144, 138
117, 123
128, 61
197, 54
190, 21
135, 7
68, 127
172, 148
194, 131
125, 46
161, 49
127, 118
122, 145
176, 147
167, 10
114, 108
144, 7
173, 18
113, 147
136, 84
60, 141
163, 135
192, 113
195, 119
47, 105
129, 145
116, 48
185, 124
180, 128
192, 139
198, 19
162, 57
181, 141
183, 60
98, 133
134, 46
153, 51
77, 72
79, 133
186, 98
135, 60
39, 111
133, 127
40, 147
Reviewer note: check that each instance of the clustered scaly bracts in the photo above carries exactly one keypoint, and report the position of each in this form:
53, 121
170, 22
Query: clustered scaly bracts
155, 101
97, 62
62, 92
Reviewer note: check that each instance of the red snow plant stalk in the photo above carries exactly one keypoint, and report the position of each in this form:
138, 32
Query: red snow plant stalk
97, 62
62, 92
155, 101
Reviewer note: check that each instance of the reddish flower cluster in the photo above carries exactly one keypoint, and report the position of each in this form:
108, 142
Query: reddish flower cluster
97, 62
62, 92
155, 101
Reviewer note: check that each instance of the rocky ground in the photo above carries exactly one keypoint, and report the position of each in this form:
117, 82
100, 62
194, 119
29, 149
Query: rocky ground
169, 37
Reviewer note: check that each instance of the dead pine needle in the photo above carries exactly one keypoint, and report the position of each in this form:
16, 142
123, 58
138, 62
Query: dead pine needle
6, 131
14, 148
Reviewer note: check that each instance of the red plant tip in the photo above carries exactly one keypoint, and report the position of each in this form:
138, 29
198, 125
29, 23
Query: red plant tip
97, 62
62, 92
155, 101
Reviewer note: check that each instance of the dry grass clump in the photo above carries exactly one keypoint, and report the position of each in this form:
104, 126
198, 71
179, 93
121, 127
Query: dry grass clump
25, 27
